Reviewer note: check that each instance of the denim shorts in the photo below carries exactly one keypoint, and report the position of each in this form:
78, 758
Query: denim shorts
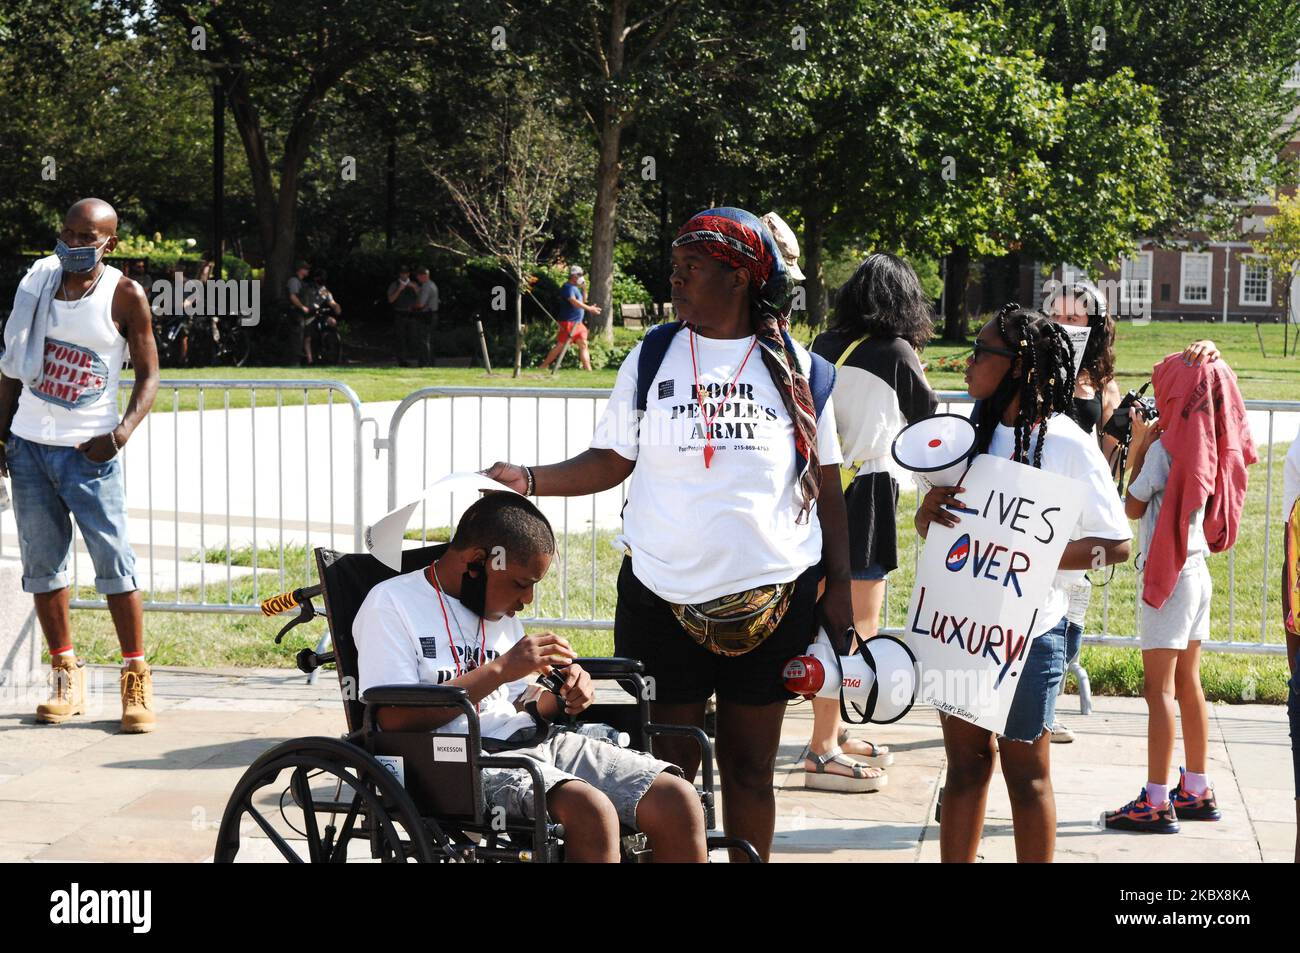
1073, 641
1293, 711
1033, 707
49, 484
622, 774
872, 573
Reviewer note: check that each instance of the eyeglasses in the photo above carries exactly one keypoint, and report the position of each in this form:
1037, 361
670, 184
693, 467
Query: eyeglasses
990, 349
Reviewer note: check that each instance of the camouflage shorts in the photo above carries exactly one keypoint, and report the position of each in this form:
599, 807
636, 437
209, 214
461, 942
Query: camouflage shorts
621, 774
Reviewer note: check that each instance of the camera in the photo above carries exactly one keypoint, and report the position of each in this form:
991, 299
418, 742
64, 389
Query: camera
1120, 425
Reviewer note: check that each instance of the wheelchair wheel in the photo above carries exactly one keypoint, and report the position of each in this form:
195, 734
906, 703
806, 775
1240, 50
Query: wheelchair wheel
318, 800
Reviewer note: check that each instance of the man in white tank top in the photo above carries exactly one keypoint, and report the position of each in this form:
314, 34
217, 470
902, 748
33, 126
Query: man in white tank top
60, 444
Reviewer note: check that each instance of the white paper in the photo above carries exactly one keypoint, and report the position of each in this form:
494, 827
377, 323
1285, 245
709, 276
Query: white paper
1079, 338
384, 538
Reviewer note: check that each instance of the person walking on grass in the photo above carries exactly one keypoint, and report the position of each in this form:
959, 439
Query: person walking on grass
74, 321
572, 327
1187, 487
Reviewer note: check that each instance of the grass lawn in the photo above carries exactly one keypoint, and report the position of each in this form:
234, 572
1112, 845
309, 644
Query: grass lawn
1138, 349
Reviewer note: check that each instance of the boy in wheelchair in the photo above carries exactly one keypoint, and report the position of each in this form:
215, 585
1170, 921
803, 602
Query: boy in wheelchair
454, 623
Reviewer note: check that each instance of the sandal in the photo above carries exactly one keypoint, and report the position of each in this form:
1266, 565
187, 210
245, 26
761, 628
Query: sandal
860, 782
880, 757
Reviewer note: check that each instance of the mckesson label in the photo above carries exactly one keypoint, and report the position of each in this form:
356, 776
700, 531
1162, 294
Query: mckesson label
450, 748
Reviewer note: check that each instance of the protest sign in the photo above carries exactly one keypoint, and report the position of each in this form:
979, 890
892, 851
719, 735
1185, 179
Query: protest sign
982, 584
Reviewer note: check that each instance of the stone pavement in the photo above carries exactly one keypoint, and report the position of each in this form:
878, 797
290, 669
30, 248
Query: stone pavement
83, 792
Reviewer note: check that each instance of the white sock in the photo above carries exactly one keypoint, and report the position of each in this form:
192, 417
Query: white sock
1196, 784
1157, 794
68, 651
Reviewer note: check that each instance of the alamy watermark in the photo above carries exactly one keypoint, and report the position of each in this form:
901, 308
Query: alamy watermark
214, 297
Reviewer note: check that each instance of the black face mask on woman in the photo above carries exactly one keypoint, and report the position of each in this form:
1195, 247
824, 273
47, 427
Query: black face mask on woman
473, 589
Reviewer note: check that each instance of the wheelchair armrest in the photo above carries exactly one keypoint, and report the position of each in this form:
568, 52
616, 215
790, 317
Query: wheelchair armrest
610, 668
419, 696
416, 694
706, 760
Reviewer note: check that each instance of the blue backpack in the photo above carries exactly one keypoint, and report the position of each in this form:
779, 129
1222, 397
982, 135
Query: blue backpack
821, 376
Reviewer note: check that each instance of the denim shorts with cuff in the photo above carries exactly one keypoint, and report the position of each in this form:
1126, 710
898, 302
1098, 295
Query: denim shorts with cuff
1033, 707
50, 485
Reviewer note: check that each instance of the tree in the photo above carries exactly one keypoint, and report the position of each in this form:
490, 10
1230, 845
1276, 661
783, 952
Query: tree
1218, 68
617, 59
1280, 247
277, 67
504, 207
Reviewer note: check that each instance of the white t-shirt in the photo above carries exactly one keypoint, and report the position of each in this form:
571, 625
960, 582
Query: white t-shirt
696, 533
402, 640
1071, 452
1291, 479
1150, 488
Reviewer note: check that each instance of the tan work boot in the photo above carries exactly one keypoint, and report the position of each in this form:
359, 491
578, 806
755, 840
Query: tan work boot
67, 690
137, 697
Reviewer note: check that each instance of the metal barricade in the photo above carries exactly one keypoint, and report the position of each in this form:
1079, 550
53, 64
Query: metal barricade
511, 411
228, 492
473, 428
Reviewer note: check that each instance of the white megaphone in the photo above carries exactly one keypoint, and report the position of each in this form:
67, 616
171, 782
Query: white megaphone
878, 682
937, 448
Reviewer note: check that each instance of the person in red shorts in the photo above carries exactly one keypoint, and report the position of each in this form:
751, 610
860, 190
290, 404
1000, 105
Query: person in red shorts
572, 327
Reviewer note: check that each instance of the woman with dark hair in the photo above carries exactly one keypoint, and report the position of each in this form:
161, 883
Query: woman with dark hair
1022, 373
1096, 395
882, 319
734, 510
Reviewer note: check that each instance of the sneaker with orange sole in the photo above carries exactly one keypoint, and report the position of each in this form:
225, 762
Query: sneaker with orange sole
1194, 807
1141, 815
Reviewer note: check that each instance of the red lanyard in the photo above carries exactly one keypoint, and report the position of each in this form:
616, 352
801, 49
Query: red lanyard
446, 621
726, 395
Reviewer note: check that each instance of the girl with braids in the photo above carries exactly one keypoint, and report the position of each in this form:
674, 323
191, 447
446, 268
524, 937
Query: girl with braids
1022, 372
734, 509
1096, 395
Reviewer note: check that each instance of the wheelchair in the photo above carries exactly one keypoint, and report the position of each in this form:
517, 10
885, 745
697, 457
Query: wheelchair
414, 796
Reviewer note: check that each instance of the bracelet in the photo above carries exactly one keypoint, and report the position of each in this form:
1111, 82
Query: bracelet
112, 435
528, 472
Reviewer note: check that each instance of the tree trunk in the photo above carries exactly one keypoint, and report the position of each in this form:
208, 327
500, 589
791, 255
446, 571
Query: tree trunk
956, 275
814, 231
605, 212
603, 221
519, 326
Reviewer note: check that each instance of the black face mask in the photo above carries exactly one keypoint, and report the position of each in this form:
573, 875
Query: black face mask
473, 589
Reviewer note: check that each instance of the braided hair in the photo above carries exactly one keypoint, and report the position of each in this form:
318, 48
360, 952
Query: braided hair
1045, 385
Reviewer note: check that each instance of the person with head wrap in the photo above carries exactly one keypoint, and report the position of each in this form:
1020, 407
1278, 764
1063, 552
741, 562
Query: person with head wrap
734, 510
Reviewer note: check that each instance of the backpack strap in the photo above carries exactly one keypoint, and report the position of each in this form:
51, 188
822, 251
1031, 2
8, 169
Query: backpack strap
653, 348
821, 376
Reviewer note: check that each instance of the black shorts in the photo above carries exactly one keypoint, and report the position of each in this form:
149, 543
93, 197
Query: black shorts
685, 672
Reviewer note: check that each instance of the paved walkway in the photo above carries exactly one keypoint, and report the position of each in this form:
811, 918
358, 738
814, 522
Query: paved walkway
83, 792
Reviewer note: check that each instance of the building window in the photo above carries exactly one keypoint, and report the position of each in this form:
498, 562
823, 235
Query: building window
1194, 280
1256, 282
1135, 279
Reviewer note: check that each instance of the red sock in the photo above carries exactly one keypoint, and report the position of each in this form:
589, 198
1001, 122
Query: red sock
132, 656
66, 650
